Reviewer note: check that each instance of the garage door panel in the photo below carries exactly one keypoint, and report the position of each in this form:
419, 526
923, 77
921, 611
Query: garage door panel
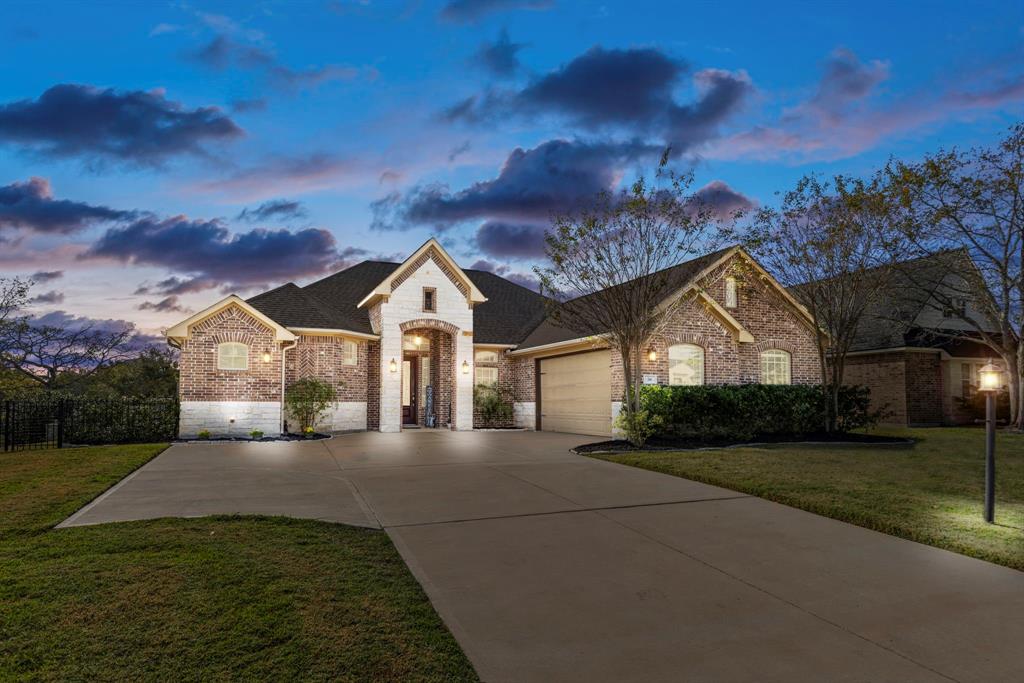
576, 393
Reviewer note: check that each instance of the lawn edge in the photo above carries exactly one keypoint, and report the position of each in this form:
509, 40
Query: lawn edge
865, 523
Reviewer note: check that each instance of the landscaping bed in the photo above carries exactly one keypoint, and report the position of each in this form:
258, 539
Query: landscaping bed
247, 439
694, 443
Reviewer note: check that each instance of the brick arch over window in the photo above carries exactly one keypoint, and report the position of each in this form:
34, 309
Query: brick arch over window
696, 339
770, 344
254, 329
429, 323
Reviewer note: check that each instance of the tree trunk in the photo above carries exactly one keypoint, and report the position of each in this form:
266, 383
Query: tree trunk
1013, 371
627, 379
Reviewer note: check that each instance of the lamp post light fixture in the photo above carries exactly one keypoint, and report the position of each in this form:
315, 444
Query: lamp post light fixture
989, 379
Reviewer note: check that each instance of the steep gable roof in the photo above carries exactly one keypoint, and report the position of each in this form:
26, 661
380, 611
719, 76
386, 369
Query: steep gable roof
429, 250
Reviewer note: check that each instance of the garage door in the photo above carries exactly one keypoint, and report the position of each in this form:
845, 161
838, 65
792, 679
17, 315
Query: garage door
575, 393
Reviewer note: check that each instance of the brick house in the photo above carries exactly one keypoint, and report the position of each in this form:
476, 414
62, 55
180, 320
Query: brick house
404, 344
914, 352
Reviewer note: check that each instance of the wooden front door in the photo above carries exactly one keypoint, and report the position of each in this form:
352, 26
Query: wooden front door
410, 390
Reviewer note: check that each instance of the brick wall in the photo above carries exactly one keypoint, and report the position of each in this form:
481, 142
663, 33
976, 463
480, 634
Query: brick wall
373, 385
321, 357
924, 388
506, 386
885, 375
201, 380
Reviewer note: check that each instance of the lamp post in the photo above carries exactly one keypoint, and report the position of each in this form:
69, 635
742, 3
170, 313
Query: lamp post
989, 378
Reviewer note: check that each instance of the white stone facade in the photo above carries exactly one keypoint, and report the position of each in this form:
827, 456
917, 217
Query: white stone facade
345, 416
524, 414
405, 304
229, 418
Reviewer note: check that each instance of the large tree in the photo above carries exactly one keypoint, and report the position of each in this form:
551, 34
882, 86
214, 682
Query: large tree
610, 264
972, 203
831, 243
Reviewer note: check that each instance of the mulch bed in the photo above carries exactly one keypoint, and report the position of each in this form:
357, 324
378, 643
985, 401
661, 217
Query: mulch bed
282, 437
694, 443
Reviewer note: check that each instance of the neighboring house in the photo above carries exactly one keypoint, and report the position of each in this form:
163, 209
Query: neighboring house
388, 334
914, 352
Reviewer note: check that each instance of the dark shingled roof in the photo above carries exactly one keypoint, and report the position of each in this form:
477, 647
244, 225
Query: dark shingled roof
507, 316
548, 332
889, 321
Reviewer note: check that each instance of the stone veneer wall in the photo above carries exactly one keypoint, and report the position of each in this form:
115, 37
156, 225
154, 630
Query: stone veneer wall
454, 316
524, 394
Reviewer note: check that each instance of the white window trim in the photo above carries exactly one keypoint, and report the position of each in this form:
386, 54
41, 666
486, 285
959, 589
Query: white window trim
476, 375
220, 356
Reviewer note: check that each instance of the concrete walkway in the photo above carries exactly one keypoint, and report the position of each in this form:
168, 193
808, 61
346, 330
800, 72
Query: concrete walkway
548, 566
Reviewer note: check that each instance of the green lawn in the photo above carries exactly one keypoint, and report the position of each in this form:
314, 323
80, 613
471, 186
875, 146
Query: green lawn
932, 493
223, 598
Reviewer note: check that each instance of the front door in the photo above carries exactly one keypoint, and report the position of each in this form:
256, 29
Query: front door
410, 390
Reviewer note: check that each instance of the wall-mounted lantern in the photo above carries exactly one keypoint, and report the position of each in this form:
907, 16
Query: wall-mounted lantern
393, 366
266, 357
652, 355
465, 367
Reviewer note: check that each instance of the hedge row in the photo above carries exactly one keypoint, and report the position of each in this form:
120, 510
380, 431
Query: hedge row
747, 411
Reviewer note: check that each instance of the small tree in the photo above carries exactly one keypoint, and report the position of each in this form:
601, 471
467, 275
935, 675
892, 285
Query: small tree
831, 243
48, 353
307, 399
610, 265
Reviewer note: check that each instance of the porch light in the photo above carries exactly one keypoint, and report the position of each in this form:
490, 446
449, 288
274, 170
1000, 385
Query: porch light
465, 367
989, 377
266, 357
393, 366
652, 355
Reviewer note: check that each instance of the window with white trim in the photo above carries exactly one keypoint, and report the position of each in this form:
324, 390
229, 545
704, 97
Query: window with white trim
484, 356
232, 356
349, 352
485, 375
685, 365
775, 367
731, 300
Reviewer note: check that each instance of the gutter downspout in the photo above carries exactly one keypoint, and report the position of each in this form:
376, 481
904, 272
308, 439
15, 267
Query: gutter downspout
283, 349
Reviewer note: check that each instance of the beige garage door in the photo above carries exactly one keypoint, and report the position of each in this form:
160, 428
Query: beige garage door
575, 393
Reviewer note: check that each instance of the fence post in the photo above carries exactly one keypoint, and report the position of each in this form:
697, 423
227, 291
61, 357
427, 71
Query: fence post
60, 422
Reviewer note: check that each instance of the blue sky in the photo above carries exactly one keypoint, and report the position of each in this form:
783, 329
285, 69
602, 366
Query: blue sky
182, 150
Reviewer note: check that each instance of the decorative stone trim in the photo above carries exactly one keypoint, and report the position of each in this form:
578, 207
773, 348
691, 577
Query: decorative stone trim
430, 254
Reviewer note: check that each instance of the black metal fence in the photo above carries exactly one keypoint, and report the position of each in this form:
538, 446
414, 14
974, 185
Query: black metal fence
58, 422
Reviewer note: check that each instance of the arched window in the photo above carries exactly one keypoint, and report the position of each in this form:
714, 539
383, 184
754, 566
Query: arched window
775, 367
685, 365
232, 356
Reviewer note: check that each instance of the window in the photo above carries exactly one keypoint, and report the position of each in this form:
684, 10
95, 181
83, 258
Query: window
730, 292
415, 342
484, 375
429, 296
775, 367
232, 356
685, 365
968, 379
955, 308
349, 353
486, 357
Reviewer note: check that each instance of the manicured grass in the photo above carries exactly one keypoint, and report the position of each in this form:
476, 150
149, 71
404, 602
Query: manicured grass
221, 598
932, 493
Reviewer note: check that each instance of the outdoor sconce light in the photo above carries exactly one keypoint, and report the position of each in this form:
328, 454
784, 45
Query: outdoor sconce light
266, 357
465, 367
652, 355
393, 366
989, 380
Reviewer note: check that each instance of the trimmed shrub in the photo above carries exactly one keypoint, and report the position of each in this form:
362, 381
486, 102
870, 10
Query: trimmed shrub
494, 407
307, 400
743, 412
638, 427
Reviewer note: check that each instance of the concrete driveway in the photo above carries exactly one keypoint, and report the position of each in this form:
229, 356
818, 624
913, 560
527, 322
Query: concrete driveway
548, 566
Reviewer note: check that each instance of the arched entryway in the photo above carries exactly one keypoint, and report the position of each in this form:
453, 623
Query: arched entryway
428, 374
